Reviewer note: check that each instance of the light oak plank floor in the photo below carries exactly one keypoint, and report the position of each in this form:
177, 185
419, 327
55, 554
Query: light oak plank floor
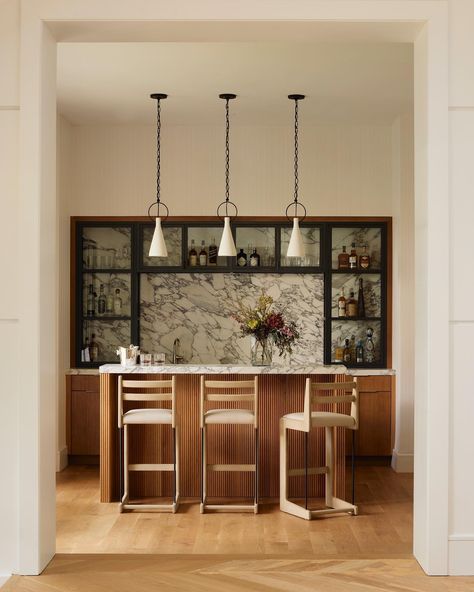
219, 573
383, 528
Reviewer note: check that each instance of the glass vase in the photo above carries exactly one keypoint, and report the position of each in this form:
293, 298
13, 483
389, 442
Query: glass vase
261, 352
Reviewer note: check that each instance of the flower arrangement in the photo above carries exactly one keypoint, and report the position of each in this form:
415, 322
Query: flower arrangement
263, 322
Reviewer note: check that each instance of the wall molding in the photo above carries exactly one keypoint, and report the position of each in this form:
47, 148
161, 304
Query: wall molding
61, 459
402, 462
460, 554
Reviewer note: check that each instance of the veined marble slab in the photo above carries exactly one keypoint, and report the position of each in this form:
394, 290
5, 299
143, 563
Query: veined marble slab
85, 371
220, 369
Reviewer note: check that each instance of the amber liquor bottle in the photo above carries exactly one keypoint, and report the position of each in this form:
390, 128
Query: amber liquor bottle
343, 259
351, 306
341, 305
212, 253
353, 257
193, 256
364, 259
203, 255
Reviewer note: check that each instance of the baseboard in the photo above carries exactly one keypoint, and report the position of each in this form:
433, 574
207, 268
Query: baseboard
4, 579
402, 462
61, 459
460, 554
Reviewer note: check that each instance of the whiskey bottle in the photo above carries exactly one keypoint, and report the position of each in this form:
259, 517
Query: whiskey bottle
102, 302
212, 260
347, 352
109, 306
254, 258
93, 349
360, 300
351, 306
369, 347
117, 303
193, 256
203, 255
341, 305
91, 302
364, 259
241, 258
353, 257
359, 353
343, 259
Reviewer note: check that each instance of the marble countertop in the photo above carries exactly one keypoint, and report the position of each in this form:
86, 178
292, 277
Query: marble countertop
83, 371
239, 369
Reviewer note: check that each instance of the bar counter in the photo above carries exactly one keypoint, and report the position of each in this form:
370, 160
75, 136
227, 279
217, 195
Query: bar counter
281, 391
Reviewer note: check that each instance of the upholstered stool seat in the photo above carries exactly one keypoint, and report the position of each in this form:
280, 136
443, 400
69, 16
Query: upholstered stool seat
146, 416
223, 416
323, 419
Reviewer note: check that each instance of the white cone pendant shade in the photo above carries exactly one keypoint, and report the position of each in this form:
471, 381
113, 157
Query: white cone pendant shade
296, 246
158, 245
227, 245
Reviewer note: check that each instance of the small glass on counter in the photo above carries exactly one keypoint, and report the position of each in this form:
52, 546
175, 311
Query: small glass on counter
159, 359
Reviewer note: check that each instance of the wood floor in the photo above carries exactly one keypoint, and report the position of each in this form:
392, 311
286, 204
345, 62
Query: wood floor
384, 526
198, 573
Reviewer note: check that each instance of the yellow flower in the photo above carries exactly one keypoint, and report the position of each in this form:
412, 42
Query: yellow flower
252, 324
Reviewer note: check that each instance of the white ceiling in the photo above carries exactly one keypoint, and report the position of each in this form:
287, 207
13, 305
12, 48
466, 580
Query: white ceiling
110, 83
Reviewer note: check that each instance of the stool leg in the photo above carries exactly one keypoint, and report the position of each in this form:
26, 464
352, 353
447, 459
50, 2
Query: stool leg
177, 465
330, 466
283, 466
353, 467
125, 465
306, 470
256, 470
203, 468
120, 483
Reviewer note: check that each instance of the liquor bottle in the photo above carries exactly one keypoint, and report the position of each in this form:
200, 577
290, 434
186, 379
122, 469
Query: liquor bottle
117, 303
353, 348
241, 258
353, 257
193, 256
369, 347
364, 259
359, 353
343, 259
212, 253
109, 306
203, 255
254, 258
85, 355
351, 306
360, 300
339, 353
347, 352
341, 305
93, 349
102, 302
91, 302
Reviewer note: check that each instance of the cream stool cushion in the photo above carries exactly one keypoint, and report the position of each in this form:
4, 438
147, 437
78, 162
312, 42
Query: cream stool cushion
240, 416
147, 416
324, 419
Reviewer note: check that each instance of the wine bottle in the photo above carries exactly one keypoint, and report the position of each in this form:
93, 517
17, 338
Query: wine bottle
351, 306
93, 349
347, 352
117, 303
203, 255
193, 256
343, 259
353, 257
91, 302
254, 258
213, 253
241, 258
341, 305
360, 300
101, 303
364, 259
359, 353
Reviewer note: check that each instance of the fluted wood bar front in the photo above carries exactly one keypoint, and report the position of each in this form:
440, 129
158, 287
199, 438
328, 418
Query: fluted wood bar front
278, 394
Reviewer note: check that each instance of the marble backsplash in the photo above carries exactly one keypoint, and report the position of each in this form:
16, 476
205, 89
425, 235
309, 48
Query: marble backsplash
196, 308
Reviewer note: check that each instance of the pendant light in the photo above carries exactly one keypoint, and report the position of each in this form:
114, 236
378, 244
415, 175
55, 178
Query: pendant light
227, 245
158, 245
296, 247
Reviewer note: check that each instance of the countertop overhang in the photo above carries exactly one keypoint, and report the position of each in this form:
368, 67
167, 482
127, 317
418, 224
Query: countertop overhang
239, 369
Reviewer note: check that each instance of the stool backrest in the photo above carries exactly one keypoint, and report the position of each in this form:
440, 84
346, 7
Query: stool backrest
156, 390
209, 388
314, 396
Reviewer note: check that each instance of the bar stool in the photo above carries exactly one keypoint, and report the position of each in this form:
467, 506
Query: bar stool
303, 422
239, 416
157, 390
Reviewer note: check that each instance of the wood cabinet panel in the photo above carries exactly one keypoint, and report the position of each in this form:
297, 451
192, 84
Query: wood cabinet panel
85, 382
85, 423
374, 437
373, 384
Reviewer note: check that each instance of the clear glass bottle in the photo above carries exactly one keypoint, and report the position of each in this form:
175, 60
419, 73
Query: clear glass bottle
353, 257
212, 260
343, 259
203, 255
101, 302
241, 258
91, 302
117, 303
359, 352
254, 258
193, 256
341, 305
369, 347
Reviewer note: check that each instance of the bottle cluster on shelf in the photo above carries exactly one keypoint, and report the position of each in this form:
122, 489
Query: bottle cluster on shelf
350, 307
106, 303
353, 260
205, 257
354, 352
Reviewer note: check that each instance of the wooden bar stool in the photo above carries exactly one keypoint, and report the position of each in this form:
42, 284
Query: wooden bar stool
239, 416
157, 390
303, 422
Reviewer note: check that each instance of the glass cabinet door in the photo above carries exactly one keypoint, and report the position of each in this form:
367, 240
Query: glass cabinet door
202, 247
173, 236
255, 246
364, 242
106, 247
312, 242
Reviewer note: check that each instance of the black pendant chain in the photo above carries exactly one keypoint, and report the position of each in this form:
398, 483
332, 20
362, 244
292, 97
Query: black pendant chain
158, 202
295, 203
226, 203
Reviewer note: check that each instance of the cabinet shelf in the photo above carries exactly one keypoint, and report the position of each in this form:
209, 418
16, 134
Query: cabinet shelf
356, 271
106, 270
356, 318
106, 318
